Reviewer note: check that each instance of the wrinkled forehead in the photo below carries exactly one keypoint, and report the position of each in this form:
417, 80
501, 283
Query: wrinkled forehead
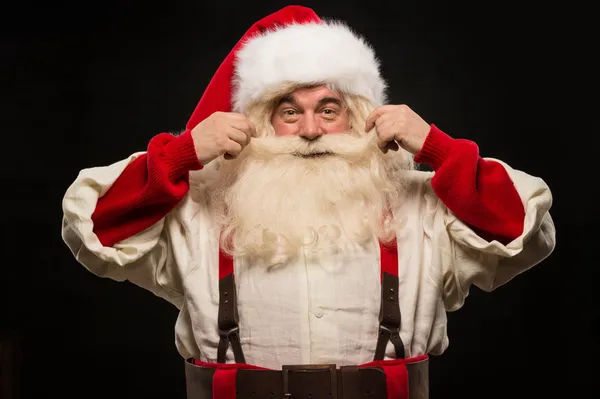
299, 92
309, 96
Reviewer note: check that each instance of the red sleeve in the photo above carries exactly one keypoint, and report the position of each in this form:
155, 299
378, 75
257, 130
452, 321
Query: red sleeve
149, 188
479, 192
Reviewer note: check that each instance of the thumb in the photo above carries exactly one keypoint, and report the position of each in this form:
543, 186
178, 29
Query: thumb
370, 121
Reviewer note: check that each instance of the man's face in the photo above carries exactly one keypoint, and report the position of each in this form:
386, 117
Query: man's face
310, 113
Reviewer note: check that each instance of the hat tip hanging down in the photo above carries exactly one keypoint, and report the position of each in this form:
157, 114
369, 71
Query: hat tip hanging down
292, 44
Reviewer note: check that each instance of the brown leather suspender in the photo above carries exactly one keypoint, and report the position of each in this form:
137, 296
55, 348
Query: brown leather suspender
389, 315
378, 379
228, 319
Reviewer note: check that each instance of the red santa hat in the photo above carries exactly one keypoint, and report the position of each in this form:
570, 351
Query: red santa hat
291, 45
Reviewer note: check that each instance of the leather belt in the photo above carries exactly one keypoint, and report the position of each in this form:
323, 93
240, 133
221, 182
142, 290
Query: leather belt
321, 381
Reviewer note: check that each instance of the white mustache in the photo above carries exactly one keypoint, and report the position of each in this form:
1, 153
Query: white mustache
344, 145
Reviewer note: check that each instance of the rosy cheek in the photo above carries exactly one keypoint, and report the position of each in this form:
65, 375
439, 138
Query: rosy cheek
340, 126
284, 129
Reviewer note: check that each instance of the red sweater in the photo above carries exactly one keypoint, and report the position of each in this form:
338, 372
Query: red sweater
478, 192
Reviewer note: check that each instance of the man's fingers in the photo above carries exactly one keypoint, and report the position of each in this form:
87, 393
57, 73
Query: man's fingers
385, 130
238, 136
370, 122
375, 114
246, 127
232, 149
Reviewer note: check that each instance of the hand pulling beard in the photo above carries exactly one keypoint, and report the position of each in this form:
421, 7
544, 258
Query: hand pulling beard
398, 126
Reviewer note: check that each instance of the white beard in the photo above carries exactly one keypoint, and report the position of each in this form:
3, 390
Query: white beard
273, 204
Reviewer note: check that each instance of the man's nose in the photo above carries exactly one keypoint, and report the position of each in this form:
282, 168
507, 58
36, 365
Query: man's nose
310, 128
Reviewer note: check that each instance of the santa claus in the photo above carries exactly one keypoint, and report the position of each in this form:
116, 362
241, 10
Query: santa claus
308, 256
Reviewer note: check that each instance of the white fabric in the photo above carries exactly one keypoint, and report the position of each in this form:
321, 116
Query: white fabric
326, 52
311, 313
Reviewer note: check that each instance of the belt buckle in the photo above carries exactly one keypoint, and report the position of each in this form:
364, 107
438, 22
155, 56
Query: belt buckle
309, 368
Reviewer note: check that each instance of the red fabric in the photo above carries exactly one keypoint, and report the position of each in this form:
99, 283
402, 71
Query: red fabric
389, 259
396, 380
224, 384
478, 191
225, 265
217, 96
148, 189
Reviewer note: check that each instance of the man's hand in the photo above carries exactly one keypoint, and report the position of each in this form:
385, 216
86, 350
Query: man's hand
222, 133
398, 125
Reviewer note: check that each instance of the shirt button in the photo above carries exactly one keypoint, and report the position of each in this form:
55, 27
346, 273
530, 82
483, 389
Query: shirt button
318, 312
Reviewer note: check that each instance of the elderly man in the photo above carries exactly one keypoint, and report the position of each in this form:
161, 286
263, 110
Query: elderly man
288, 223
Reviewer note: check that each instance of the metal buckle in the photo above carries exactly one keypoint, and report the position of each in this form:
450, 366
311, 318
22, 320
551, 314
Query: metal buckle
393, 335
309, 368
229, 332
389, 330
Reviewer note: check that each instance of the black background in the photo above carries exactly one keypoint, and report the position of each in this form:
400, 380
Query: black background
89, 83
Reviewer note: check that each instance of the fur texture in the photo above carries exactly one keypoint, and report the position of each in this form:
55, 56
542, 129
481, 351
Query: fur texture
313, 53
271, 205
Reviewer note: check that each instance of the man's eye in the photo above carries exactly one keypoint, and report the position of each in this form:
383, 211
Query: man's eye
289, 112
328, 111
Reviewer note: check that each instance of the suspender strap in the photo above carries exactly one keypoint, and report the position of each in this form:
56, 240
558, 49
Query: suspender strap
389, 313
228, 319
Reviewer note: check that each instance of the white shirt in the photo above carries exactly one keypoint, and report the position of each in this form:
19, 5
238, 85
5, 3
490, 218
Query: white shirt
304, 313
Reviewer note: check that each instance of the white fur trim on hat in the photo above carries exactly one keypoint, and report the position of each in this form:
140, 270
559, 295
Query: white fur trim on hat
324, 52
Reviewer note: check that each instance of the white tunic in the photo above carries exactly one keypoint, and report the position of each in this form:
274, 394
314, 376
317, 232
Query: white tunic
304, 313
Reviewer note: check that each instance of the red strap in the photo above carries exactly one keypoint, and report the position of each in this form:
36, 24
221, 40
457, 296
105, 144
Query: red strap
396, 378
389, 259
225, 265
224, 383
224, 377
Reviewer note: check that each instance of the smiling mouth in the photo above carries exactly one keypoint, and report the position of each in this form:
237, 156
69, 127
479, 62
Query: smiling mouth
313, 154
